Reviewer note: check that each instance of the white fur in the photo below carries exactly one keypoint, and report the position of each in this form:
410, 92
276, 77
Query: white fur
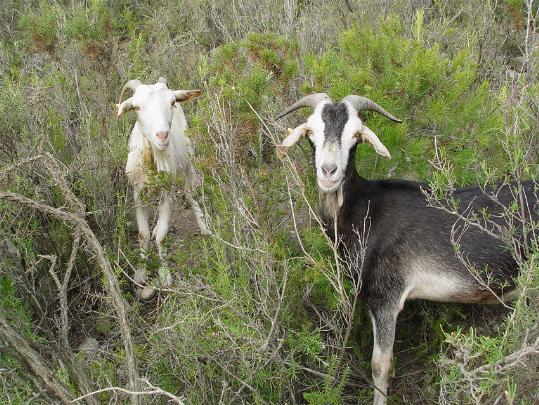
158, 111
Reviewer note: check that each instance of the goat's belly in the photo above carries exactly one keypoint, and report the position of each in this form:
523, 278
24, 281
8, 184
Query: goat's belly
438, 287
429, 279
449, 288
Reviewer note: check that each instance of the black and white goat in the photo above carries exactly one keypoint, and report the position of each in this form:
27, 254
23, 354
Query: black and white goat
158, 141
409, 252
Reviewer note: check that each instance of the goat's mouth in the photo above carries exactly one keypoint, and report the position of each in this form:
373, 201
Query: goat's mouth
162, 145
329, 186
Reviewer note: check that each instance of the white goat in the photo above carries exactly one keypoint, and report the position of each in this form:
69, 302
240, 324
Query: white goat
158, 140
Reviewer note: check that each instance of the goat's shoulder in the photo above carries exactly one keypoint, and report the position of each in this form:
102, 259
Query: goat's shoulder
390, 194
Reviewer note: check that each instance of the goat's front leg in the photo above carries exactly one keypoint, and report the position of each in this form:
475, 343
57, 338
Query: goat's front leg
160, 232
383, 322
143, 217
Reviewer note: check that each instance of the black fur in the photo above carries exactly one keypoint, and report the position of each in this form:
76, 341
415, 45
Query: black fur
335, 117
402, 227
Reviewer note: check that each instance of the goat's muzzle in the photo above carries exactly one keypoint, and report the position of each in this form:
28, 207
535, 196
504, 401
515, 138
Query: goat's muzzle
163, 139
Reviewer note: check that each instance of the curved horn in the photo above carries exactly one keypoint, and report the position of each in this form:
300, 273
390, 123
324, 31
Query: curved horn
363, 103
131, 85
162, 80
312, 100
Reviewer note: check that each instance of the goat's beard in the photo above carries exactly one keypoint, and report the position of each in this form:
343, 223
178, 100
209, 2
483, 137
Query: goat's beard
330, 202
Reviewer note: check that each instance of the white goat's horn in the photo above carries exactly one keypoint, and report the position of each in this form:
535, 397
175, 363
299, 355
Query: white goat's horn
312, 100
131, 85
162, 80
363, 103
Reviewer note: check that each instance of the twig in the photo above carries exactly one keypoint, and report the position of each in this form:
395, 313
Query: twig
112, 282
34, 362
153, 391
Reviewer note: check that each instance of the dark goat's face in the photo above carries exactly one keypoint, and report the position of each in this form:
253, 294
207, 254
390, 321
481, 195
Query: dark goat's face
333, 129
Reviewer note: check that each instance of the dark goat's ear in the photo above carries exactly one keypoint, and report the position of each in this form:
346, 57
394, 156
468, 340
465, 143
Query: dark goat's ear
294, 135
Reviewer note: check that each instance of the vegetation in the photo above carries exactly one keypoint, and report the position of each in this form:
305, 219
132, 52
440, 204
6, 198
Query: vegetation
257, 313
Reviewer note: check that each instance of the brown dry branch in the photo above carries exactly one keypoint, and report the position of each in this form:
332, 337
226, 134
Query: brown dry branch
34, 362
72, 364
112, 283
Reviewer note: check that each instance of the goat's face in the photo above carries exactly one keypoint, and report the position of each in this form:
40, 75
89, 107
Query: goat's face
154, 105
333, 129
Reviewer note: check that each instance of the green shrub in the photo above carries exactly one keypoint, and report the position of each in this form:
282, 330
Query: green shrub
437, 97
40, 27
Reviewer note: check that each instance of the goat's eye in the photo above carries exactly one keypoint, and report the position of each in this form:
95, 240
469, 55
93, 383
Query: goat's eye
136, 108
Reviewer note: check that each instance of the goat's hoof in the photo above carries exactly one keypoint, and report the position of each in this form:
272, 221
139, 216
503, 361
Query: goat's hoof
146, 293
165, 278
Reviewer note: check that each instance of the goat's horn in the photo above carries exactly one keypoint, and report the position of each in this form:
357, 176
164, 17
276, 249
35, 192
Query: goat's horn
363, 103
311, 100
162, 80
131, 85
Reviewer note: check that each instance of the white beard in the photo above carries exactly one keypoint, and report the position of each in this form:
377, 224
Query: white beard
330, 203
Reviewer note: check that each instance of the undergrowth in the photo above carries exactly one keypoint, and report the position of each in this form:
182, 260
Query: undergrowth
244, 322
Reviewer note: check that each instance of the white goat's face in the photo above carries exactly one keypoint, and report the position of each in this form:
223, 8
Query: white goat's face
154, 105
333, 130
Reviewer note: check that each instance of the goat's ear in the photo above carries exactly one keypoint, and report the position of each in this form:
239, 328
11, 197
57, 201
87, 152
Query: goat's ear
294, 135
127, 105
186, 95
366, 135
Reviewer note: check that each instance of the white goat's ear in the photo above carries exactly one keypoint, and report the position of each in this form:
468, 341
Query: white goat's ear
366, 135
294, 135
127, 105
186, 95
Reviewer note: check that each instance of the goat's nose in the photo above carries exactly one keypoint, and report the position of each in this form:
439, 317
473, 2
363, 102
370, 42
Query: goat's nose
162, 136
328, 170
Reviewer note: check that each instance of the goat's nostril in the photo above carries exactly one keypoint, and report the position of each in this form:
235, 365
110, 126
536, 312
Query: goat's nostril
329, 170
162, 136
